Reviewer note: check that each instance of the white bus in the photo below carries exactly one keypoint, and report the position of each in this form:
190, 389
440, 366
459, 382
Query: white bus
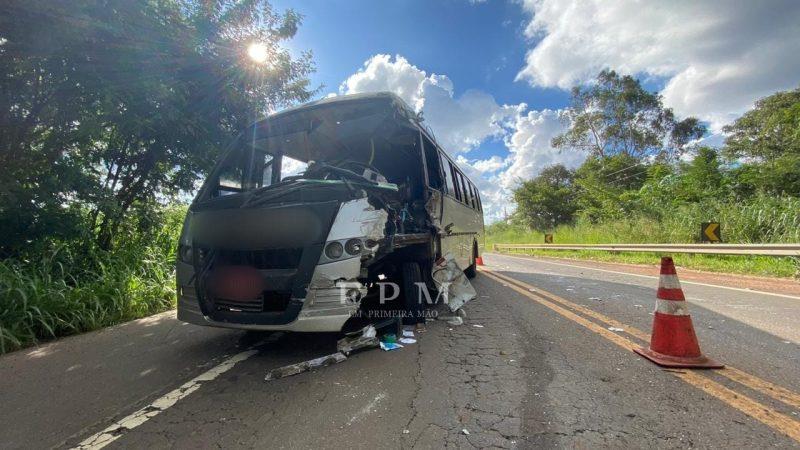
311, 207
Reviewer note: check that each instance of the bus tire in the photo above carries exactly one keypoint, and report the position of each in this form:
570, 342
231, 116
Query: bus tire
471, 271
414, 308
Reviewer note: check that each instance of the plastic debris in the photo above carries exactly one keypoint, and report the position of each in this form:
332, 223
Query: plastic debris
451, 282
388, 346
406, 340
455, 321
615, 329
409, 333
305, 366
367, 338
465, 431
477, 326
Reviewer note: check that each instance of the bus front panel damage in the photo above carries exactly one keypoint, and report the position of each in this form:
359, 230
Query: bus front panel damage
265, 248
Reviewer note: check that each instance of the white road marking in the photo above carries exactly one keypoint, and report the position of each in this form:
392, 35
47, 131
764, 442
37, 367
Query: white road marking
751, 291
141, 416
367, 410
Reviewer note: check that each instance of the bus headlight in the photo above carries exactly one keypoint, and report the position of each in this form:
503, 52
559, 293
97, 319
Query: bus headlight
353, 247
334, 250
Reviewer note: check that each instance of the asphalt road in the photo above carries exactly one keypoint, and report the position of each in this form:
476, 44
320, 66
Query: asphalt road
539, 362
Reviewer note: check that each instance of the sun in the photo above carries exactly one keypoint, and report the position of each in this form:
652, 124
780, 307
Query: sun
258, 52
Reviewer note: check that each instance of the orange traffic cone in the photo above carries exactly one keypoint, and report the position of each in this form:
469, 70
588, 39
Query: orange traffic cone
673, 342
479, 260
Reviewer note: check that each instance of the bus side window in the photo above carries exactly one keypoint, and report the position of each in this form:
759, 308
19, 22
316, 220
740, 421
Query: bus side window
472, 195
478, 198
448, 177
432, 163
465, 197
454, 174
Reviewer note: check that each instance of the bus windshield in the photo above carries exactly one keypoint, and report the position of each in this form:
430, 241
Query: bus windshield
247, 167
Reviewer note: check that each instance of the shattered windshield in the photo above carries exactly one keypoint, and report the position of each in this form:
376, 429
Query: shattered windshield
248, 167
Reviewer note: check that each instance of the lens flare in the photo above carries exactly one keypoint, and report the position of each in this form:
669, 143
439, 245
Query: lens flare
258, 52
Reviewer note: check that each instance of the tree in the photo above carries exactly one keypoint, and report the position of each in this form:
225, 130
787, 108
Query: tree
768, 138
547, 200
617, 115
606, 186
768, 131
109, 106
702, 178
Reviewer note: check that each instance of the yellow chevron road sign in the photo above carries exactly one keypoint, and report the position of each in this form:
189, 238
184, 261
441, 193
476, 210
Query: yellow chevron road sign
710, 232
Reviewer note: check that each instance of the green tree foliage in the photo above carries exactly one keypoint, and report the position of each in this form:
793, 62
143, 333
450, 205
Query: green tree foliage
768, 139
547, 200
110, 106
616, 115
768, 131
605, 186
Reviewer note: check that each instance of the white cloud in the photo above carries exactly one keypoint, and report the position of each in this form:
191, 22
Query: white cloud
460, 123
463, 122
492, 164
530, 147
718, 56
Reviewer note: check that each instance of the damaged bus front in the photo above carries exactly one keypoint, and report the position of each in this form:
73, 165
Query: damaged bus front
311, 206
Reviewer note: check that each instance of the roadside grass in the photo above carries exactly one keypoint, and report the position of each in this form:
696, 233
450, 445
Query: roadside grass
745, 265
642, 231
68, 289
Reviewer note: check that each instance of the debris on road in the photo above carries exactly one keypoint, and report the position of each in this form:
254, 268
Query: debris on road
367, 338
465, 431
454, 320
406, 340
388, 346
615, 329
453, 285
477, 325
305, 366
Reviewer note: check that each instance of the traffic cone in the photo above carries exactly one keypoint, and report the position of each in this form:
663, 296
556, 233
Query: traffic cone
673, 342
479, 260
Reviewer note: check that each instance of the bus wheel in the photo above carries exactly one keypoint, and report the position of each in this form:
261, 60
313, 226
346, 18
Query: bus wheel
412, 297
471, 271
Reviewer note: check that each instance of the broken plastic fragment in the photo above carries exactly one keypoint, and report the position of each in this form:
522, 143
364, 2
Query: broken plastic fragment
387, 346
453, 285
351, 343
407, 340
305, 366
455, 321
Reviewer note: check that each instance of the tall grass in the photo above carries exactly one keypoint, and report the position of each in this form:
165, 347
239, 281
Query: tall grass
72, 288
759, 220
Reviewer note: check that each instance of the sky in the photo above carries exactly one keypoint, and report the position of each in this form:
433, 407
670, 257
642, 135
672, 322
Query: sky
492, 77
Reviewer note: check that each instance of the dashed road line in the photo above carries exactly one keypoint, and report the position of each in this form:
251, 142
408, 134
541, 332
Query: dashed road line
768, 416
122, 426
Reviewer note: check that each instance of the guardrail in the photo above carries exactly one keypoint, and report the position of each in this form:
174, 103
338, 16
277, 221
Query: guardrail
710, 249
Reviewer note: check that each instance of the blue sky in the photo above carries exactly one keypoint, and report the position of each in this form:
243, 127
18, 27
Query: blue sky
492, 77
479, 46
